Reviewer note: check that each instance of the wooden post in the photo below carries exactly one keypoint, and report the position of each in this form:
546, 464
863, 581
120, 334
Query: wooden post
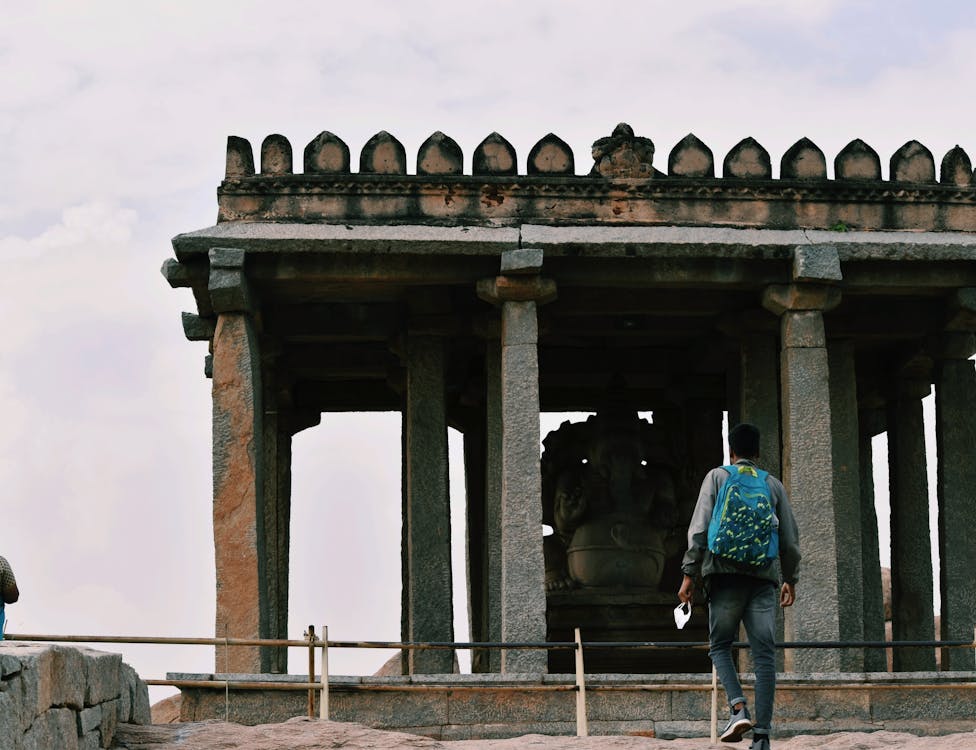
582, 729
310, 637
324, 695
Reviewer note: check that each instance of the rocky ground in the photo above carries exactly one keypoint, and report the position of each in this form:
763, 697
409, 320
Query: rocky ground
313, 734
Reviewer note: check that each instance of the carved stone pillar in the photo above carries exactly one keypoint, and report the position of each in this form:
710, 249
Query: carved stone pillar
912, 611
808, 448
523, 596
493, 500
759, 393
280, 425
955, 405
427, 516
845, 439
871, 422
238, 481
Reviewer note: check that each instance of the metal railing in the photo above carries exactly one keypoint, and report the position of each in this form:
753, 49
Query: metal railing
312, 642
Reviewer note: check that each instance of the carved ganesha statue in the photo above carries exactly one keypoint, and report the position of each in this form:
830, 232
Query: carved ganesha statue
608, 493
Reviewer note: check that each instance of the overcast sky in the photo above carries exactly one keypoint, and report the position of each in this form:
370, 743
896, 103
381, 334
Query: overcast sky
113, 123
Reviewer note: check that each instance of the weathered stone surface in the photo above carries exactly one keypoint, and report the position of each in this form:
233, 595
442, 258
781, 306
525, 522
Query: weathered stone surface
383, 154
68, 677
911, 550
913, 162
55, 728
197, 328
494, 156
691, 158
439, 154
521, 261
327, 154
10, 713
236, 452
493, 498
803, 161
240, 158
777, 298
818, 263
227, 285
956, 169
747, 160
759, 379
671, 735
523, 605
803, 329
517, 289
622, 154
133, 706
808, 475
845, 440
427, 516
276, 157
551, 155
89, 718
109, 722
875, 660
955, 394
857, 161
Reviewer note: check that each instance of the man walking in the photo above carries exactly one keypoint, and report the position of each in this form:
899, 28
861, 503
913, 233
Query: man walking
742, 541
9, 593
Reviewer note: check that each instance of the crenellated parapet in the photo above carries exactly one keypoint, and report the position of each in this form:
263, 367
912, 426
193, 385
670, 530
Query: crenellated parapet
623, 186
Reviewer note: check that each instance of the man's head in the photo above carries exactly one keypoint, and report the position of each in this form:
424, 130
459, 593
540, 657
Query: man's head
744, 441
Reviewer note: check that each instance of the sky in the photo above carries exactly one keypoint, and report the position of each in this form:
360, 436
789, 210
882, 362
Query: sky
113, 123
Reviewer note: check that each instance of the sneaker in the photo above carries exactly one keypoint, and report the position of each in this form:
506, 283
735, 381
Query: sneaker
759, 742
738, 725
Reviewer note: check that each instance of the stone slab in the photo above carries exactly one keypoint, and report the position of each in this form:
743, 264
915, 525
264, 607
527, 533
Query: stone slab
601, 241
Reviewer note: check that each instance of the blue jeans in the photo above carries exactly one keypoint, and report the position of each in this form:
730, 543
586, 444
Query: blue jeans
751, 601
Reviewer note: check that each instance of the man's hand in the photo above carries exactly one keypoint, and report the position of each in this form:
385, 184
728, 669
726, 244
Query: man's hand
787, 595
686, 590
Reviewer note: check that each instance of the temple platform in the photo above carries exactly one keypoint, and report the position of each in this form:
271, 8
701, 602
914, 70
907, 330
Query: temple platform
456, 707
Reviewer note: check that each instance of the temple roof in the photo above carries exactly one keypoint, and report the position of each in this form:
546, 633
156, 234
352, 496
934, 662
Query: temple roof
624, 186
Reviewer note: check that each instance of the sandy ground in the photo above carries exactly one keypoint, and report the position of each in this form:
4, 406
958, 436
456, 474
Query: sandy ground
313, 734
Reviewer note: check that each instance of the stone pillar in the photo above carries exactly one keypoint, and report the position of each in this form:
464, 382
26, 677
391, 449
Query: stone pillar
523, 596
846, 444
475, 547
808, 449
427, 518
277, 517
871, 422
955, 407
912, 611
238, 480
759, 394
280, 425
493, 499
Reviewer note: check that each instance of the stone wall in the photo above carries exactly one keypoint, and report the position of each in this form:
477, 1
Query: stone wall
66, 698
464, 707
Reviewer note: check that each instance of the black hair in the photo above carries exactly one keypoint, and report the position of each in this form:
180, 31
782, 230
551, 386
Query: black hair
744, 440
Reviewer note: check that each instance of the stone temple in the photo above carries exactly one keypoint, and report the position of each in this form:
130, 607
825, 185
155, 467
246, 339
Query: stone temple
820, 307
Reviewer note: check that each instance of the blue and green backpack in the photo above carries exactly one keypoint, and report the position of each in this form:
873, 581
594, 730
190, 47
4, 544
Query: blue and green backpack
743, 528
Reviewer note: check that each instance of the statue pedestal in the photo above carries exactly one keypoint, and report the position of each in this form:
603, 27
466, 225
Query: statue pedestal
613, 615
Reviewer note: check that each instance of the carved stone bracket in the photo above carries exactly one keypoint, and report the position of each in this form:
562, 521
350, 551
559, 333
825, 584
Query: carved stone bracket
780, 298
229, 290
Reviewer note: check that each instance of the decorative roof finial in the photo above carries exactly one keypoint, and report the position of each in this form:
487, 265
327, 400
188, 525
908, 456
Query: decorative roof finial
623, 154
